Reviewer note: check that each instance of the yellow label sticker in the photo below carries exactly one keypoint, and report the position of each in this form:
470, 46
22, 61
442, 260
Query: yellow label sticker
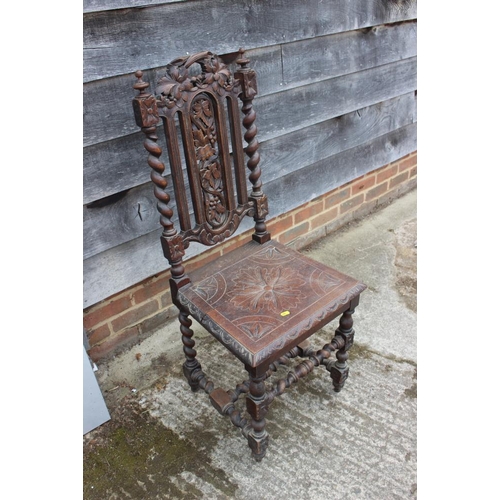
285, 313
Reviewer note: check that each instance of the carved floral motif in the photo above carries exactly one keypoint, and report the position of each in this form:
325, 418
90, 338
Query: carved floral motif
328, 282
205, 141
257, 329
177, 83
270, 253
248, 82
173, 247
207, 288
267, 289
146, 113
261, 206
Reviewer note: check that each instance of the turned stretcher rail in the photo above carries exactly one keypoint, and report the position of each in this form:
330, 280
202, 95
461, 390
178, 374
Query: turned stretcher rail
305, 367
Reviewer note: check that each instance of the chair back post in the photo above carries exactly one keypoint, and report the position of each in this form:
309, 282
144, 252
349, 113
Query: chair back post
248, 82
146, 117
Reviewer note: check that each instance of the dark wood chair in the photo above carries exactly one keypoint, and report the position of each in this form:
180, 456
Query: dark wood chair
263, 300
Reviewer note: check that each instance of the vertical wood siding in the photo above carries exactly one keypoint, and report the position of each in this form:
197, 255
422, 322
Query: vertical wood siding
337, 82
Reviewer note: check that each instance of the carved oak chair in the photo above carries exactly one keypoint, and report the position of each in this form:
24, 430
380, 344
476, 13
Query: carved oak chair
263, 300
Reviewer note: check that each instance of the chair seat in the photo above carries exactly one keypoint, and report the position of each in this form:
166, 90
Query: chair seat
262, 300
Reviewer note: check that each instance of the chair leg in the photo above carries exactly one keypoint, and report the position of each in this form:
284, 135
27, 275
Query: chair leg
340, 370
257, 407
191, 366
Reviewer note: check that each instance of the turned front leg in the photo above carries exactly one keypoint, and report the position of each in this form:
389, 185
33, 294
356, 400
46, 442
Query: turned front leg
339, 371
257, 408
191, 365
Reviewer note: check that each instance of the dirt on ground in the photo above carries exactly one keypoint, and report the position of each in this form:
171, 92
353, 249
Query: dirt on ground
134, 455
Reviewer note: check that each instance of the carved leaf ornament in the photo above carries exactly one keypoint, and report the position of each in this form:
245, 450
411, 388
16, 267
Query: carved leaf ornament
175, 88
205, 141
176, 85
273, 289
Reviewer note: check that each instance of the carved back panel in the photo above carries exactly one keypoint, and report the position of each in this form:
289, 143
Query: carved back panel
203, 106
200, 113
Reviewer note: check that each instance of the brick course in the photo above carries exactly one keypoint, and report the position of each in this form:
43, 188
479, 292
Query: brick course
293, 233
387, 172
362, 185
106, 310
351, 203
338, 196
376, 191
151, 287
280, 224
324, 217
98, 334
131, 314
398, 179
308, 212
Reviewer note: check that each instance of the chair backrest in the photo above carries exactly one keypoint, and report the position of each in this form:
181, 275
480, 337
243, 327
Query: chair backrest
200, 110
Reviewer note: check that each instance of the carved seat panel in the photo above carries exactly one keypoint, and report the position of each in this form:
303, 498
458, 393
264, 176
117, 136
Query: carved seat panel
263, 299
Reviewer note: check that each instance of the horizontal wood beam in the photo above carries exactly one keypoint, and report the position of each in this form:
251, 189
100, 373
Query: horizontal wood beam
108, 114
121, 41
103, 5
288, 192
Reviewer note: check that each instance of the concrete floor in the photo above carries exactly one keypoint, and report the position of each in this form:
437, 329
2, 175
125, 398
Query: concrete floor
163, 441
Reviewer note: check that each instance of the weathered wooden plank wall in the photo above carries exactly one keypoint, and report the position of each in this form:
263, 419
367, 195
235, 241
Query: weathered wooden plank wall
337, 83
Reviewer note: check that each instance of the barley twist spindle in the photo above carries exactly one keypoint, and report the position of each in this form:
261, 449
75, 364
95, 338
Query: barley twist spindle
339, 370
252, 146
247, 79
160, 182
282, 360
147, 117
191, 364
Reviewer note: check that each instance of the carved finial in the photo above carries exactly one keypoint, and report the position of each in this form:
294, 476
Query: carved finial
242, 61
140, 84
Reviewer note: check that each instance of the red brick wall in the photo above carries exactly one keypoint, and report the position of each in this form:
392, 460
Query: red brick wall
133, 313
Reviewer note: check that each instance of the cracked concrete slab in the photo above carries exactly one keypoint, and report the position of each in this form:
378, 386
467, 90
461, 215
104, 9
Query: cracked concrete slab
164, 441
